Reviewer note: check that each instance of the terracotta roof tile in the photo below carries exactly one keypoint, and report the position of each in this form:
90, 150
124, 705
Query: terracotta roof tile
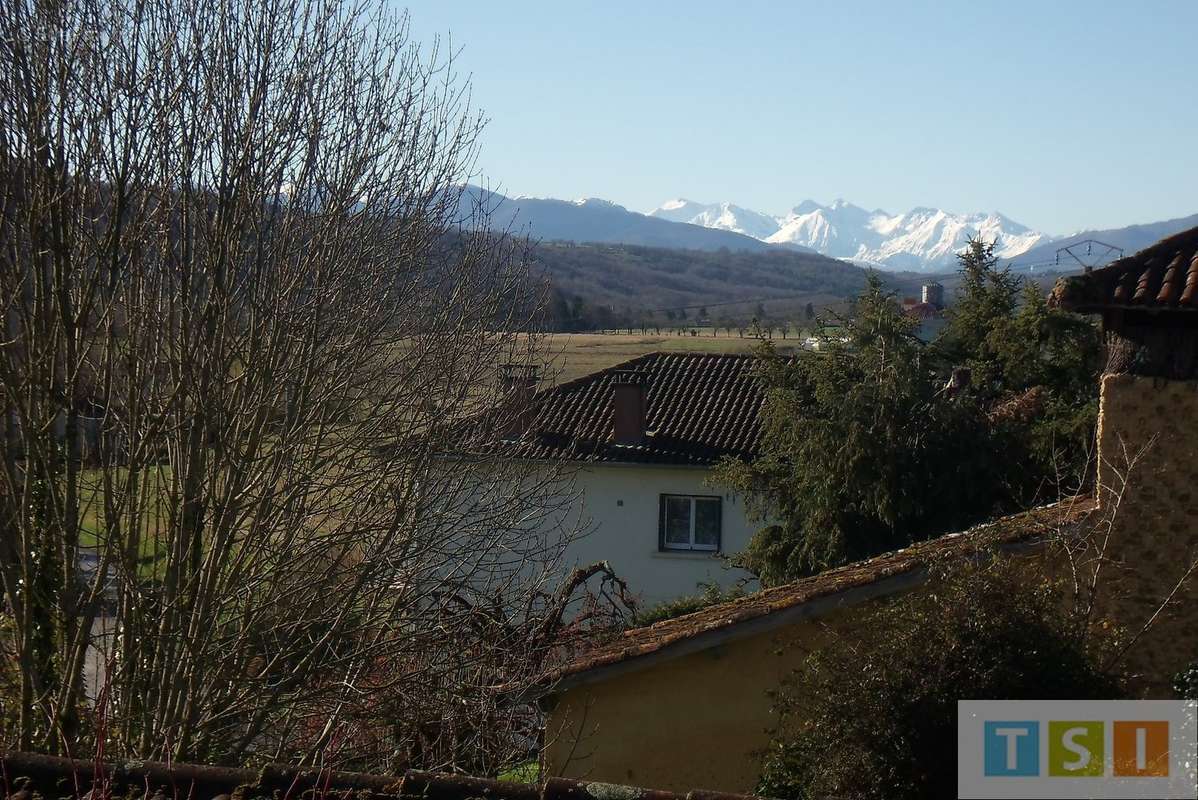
700, 408
638, 642
30, 775
1161, 277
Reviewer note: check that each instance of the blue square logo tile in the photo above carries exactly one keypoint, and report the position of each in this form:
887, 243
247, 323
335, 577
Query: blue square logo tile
1012, 748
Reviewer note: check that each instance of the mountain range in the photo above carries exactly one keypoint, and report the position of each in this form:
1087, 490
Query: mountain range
922, 239
598, 221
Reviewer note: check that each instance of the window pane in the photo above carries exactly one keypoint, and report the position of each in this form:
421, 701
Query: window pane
707, 523
678, 521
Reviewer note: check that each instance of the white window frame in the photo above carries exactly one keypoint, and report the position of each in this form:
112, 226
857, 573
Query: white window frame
692, 546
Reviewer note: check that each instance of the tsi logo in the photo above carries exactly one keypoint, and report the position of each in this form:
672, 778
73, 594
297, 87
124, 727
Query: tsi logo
1079, 748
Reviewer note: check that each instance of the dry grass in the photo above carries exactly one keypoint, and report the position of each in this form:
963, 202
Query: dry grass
570, 356
578, 354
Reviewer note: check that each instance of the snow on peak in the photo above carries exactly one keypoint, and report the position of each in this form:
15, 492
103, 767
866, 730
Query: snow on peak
597, 202
805, 207
923, 238
724, 216
674, 205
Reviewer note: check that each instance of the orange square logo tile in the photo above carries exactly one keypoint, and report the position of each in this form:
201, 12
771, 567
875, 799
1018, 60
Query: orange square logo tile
1141, 749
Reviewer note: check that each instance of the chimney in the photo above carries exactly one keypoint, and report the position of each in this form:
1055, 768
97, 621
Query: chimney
519, 384
629, 406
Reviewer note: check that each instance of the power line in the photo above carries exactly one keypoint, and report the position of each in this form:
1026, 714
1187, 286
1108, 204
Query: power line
1088, 260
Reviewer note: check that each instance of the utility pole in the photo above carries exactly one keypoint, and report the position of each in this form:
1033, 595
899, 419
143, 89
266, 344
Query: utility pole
1089, 253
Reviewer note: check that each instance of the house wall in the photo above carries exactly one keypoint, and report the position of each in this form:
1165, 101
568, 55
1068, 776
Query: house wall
697, 721
693, 722
622, 504
1152, 422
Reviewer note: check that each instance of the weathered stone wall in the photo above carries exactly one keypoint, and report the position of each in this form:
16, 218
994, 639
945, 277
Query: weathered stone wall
1148, 480
1157, 346
32, 776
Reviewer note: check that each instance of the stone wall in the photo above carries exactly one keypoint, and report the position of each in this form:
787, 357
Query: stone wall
1148, 487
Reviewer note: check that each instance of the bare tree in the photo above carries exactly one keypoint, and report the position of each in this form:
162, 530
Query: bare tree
243, 292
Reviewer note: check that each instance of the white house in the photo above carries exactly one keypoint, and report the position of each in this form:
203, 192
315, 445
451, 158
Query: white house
642, 438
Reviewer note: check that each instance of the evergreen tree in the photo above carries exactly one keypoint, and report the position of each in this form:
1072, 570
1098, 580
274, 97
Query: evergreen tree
987, 301
1059, 354
1002, 328
868, 445
860, 448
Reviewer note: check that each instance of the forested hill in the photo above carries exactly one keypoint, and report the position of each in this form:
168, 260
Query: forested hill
630, 278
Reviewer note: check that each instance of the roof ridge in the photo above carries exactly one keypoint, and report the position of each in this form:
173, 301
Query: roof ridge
623, 365
591, 376
1160, 277
1164, 245
43, 775
975, 529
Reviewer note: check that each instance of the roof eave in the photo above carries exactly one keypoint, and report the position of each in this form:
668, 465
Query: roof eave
814, 608
1100, 308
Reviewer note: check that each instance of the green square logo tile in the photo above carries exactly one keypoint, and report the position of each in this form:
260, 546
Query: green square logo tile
1076, 749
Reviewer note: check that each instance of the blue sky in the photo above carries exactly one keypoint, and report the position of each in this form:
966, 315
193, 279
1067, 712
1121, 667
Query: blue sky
1062, 115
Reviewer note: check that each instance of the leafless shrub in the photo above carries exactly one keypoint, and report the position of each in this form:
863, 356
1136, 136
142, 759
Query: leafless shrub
1099, 560
242, 290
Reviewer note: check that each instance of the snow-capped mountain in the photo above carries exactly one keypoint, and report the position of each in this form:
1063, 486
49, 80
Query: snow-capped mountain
724, 216
920, 239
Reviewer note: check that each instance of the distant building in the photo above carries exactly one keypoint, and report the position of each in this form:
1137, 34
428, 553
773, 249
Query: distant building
930, 315
933, 294
923, 311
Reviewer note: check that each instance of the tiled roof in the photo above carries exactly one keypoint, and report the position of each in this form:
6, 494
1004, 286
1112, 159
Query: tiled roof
29, 775
701, 407
1161, 277
1007, 531
922, 310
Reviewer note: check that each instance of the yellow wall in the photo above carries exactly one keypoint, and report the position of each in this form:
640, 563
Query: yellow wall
692, 722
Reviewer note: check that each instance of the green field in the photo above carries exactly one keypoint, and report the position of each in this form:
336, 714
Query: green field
152, 520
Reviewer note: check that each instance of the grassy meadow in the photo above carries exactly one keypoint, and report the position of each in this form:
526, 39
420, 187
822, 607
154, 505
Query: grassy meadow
576, 354
567, 356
